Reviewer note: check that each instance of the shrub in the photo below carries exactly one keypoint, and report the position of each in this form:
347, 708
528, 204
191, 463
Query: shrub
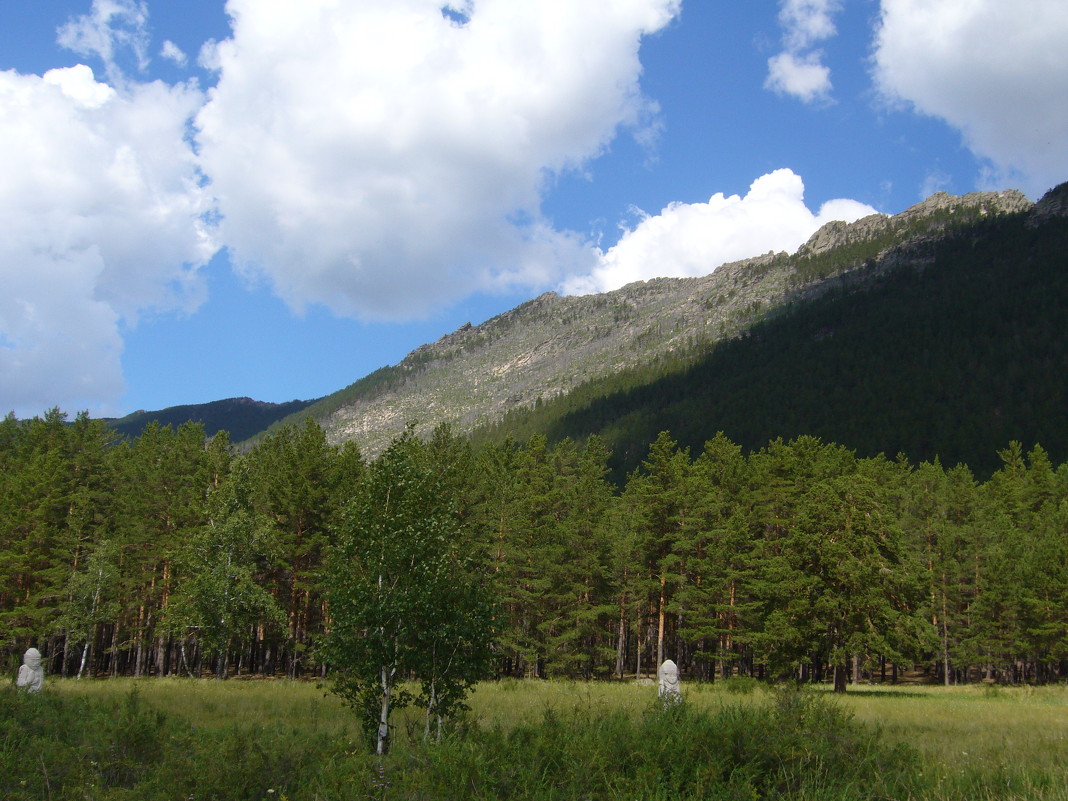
799, 746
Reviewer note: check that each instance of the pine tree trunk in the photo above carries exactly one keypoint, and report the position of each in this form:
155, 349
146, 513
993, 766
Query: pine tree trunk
641, 647
840, 672
115, 649
660, 622
945, 634
66, 645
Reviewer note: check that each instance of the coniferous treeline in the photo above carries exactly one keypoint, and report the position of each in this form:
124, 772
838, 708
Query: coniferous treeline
169, 554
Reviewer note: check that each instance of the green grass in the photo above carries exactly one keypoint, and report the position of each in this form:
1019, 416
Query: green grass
147, 739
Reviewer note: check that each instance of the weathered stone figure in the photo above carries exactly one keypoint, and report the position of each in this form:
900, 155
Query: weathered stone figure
670, 689
31, 674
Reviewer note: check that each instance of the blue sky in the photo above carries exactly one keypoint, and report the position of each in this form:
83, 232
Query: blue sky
202, 200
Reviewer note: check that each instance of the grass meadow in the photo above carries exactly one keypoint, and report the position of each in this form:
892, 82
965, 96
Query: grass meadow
189, 740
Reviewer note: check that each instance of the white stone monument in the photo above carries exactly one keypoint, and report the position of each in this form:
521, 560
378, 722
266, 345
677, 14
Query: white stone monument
31, 674
668, 676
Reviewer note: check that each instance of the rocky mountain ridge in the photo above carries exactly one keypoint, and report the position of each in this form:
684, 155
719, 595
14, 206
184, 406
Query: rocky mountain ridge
552, 344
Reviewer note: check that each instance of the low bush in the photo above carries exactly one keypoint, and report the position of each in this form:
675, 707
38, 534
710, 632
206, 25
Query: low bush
798, 746
55, 746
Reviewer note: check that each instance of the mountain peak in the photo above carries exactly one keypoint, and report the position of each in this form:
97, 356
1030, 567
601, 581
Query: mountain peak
1052, 204
928, 215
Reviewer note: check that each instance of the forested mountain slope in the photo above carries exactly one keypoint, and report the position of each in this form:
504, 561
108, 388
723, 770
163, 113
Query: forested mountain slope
546, 348
951, 352
241, 417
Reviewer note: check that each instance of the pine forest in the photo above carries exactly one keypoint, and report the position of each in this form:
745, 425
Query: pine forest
173, 554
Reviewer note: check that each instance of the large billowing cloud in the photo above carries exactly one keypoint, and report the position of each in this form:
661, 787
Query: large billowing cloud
997, 71
691, 239
100, 220
382, 158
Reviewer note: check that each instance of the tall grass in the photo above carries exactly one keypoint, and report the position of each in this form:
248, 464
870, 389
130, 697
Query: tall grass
120, 740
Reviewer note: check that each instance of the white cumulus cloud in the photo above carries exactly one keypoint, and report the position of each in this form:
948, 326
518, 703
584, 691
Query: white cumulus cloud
173, 53
804, 77
100, 220
382, 158
110, 27
996, 71
799, 70
693, 239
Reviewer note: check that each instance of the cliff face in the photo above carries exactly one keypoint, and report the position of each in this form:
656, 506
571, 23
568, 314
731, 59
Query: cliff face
550, 345
927, 218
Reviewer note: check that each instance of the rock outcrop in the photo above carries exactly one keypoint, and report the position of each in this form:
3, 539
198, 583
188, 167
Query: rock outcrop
1053, 204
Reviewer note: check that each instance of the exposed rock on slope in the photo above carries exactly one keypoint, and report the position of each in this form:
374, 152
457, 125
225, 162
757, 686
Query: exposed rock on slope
552, 344
1053, 204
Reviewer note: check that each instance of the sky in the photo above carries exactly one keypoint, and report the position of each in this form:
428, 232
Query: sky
273, 198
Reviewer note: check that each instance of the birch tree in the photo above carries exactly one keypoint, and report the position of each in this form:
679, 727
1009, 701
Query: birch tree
402, 601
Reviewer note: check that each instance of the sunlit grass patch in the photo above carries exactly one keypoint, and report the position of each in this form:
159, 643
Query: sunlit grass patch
274, 703
969, 742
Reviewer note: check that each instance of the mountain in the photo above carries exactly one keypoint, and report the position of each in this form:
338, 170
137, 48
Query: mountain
950, 349
242, 417
545, 349
935, 332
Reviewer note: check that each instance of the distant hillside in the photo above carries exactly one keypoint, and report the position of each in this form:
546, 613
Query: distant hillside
242, 417
549, 347
950, 349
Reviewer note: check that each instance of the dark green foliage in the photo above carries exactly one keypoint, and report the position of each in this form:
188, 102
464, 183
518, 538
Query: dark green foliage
798, 746
56, 747
950, 359
241, 417
218, 596
406, 598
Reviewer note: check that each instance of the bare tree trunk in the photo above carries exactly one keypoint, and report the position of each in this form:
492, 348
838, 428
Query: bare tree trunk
840, 672
945, 635
660, 621
85, 655
185, 662
641, 646
383, 717
66, 645
115, 648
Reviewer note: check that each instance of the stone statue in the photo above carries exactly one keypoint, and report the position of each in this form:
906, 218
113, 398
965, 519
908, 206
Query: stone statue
670, 689
31, 674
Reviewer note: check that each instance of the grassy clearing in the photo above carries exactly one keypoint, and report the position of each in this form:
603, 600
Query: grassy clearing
277, 705
529, 740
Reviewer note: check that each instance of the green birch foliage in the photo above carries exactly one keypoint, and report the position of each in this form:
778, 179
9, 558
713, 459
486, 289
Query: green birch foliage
404, 600
92, 597
218, 594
